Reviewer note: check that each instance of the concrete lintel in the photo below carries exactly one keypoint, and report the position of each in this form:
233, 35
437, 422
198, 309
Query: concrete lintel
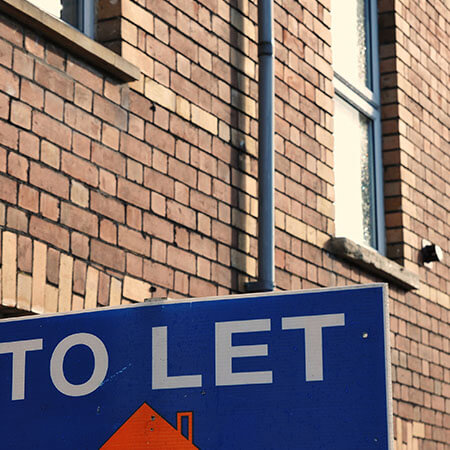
370, 260
71, 39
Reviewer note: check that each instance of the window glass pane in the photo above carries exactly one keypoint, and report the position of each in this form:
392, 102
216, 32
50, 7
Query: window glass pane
70, 12
353, 174
66, 10
349, 37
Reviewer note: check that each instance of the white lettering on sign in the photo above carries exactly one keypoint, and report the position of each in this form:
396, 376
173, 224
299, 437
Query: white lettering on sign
313, 339
160, 378
18, 350
224, 348
97, 348
225, 352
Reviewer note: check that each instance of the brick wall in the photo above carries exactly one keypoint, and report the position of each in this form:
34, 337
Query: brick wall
107, 188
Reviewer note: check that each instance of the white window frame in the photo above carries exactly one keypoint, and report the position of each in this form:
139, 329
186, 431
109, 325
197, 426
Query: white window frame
368, 102
86, 17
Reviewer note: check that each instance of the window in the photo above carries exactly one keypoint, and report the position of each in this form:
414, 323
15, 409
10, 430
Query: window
357, 129
78, 13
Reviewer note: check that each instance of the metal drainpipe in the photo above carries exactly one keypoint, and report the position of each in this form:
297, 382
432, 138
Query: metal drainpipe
266, 269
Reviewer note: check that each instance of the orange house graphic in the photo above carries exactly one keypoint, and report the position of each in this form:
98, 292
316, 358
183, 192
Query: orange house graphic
146, 429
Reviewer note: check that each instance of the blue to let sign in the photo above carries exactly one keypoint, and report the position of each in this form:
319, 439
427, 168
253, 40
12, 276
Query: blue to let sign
286, 370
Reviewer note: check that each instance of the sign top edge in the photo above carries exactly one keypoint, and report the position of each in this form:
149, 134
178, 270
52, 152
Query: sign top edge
170, 301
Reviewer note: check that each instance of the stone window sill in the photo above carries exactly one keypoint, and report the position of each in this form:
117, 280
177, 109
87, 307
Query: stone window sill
373, 262
71, 39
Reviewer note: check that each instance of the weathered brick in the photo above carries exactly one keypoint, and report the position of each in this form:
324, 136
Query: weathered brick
18, 166
133, 193
82, 121
51, 130
54, 80
134, 241
24, 254
110, 112
79, 219
49, 232
49, 206
9, 135
32, 94
79, 169
49, 180
109, 159
16, 219
107, 255
9, 82
135, 149
107, 206
8, 190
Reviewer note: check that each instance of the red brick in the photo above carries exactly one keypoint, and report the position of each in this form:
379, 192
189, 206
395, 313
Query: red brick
203, 246
103, 289
8, 190
110, 136
81, 145
53, 80
9, 135
82, 121
4, 106
28, 198
53, 257
182, 172
109, 159
51, 130
3, 153
85, 75
160, 139
135, 149
49, 180
34, 45
201, 288
158, 274
135, 265
133, 193
181, 260
203, 203
17, 219
134, 241
158, 227
108, 182
29, 144
79, 219
79, 169
21, 114
159, 182
134, 217
18, 166
110, 112
107, 206
79, 244
108, 231
79, 277
49, 206
108, 255
54, 105
9, 82
49, 232
32, 94
5, 54
83, 97
24, 254
181, 214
